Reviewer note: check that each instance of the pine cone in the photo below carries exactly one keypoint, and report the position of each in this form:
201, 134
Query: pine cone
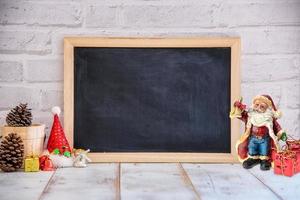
19, 116
11, 153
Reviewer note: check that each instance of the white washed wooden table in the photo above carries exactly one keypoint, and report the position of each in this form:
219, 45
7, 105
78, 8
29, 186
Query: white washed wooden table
150, 182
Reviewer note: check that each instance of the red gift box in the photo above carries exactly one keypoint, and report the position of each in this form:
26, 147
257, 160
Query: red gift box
273, 154
285, 163
46, 163
293, 145
298, 161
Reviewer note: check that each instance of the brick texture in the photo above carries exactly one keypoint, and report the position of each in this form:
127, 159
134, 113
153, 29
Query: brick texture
31, 42
101, 16
258, 14
260, 68
51, 98
13, 95
11, 71
169, 16
35, 13
46, 70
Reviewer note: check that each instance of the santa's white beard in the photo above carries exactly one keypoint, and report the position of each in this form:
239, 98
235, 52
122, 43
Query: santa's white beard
260, 119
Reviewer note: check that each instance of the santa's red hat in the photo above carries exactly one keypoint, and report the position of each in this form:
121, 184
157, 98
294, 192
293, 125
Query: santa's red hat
57, 138
269, 101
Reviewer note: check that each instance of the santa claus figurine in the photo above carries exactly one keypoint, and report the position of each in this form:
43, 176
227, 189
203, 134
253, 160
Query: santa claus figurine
262, 132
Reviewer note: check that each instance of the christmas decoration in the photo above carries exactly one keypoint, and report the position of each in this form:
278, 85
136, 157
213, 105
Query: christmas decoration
67, 154
33, 137
81, 158
58, 146
293, 144
236, 111
60, 161
32, 164
19, 116
297, 161
57, 139
56, 151
46, 163
11, 153
262, 131
287, 162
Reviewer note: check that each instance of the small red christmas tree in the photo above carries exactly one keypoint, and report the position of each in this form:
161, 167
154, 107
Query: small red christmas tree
57, 138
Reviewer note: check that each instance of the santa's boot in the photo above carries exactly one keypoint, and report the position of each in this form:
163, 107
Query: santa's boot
250, 162
265, 165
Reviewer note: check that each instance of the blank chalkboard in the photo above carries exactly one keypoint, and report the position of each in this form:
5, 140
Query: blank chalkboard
152, 99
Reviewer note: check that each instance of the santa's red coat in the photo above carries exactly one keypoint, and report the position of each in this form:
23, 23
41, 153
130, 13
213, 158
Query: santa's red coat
242, 144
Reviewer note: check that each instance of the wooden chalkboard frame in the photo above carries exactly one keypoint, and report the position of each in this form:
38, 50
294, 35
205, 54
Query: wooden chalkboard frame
71, 42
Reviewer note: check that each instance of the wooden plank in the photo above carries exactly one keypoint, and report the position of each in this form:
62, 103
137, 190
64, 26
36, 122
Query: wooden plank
226, 181
187, 180
21, 185
97, 181
152, 42
69, 90
154, 181
287, 188
117, 182
163, 157
235, 92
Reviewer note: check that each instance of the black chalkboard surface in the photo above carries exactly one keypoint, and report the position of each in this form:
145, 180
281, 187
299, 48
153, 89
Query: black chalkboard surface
152, 99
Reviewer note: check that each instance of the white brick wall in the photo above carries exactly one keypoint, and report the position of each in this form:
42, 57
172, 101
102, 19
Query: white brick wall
32, 31
23, 41
11, 71
36, 13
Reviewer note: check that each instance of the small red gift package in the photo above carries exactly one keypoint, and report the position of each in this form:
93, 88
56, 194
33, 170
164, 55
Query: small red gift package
294, 145
285, 163
46, 163
298, 162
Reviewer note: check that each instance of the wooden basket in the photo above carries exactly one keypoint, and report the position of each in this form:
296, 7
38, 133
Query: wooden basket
33, 137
